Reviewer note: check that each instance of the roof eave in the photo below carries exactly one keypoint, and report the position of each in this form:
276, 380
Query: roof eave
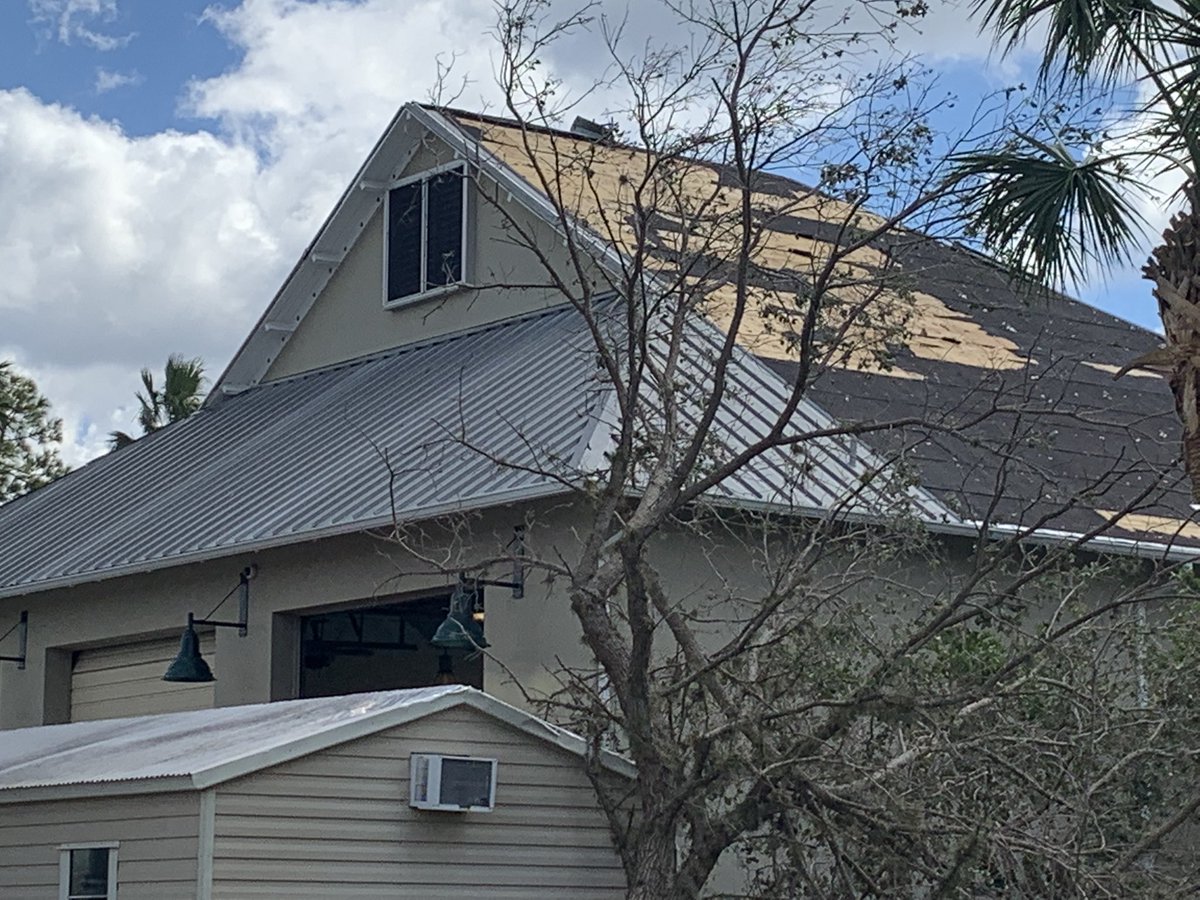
490, 501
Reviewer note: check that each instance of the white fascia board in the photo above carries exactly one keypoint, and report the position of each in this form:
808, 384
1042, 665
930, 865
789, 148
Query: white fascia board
243, 368
376, 722
545, 731
527, 195
1102, 544
39, 793
597, 443
365, 726
489, 501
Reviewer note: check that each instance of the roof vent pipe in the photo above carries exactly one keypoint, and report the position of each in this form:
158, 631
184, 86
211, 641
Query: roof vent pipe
593, 131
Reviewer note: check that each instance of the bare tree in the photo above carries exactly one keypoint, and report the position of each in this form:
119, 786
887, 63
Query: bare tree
868, 706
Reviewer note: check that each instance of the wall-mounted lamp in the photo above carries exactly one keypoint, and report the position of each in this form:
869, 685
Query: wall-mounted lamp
462, 629
189, 666
22, 630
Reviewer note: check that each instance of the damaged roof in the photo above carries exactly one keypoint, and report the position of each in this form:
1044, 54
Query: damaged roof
1023, 424
1012, 417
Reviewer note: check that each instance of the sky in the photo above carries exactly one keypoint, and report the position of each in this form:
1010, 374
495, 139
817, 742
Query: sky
163, 163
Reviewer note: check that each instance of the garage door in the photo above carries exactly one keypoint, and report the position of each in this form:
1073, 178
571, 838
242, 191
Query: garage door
126, 680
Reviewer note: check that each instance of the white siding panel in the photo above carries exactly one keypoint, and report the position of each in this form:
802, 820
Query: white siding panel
126, 680
338, 823
157, 837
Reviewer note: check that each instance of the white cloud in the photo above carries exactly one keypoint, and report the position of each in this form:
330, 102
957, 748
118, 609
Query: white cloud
120, 250
71, 21
108, 80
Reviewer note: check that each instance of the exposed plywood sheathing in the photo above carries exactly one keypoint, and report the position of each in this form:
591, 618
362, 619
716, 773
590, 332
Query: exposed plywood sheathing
697, 218
1159, 526
1113, 370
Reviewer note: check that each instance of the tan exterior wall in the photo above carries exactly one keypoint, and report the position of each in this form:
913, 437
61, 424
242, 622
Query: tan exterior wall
348, 319
527, 634
156, 856
338, 823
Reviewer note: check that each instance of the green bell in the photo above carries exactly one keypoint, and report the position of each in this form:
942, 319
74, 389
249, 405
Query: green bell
459, 630
189, 666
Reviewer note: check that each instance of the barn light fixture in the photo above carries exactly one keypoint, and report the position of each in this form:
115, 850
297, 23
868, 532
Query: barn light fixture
189, 666
462, 629
22, 630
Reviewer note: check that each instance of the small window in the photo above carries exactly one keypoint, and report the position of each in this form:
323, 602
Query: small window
426, 233
88, 872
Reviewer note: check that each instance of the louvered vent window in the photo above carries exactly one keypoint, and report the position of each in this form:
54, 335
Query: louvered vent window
426, 234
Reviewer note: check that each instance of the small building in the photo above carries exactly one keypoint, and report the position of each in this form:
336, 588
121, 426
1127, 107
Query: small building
307, 798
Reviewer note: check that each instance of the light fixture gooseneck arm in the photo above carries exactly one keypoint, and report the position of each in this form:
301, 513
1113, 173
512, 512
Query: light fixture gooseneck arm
243, 590
189, 666
22, 630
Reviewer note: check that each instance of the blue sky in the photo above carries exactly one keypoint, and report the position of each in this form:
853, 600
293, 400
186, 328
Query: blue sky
163, 162
125, 62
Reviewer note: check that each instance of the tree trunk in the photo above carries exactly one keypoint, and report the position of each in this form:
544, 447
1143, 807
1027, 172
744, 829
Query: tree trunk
1174, 268
653, 877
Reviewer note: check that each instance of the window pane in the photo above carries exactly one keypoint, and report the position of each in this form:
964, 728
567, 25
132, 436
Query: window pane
89, 872
466, 782
404, 241
443, 224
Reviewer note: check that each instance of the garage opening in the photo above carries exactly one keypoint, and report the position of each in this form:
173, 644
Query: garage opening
380, 648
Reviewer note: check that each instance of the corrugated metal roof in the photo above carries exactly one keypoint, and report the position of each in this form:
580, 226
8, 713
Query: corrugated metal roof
310, 455
420, 430
182, 744
204, 747
830, 472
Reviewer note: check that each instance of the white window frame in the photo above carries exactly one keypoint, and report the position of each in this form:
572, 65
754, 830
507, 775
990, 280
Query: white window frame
64, 866
433, 763
424, 177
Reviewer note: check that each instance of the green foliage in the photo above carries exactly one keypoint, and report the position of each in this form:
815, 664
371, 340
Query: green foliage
1047, 212
1053, 202
181, 395
28, 434
968, 654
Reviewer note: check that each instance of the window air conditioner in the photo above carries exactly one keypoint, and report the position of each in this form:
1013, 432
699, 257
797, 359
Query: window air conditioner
452, 783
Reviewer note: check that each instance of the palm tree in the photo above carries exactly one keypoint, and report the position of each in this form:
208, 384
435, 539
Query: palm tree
1058, 204
180, 396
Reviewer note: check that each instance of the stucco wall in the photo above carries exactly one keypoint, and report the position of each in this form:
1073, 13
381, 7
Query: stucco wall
348, 318
529, 636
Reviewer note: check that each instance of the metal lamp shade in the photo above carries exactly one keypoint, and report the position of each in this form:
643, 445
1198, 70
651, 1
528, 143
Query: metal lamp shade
189, 666
459, 633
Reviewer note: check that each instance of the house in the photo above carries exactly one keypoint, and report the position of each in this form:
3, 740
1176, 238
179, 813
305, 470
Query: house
306, 798
417, 401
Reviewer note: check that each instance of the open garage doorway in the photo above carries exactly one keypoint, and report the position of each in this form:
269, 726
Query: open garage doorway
376, 648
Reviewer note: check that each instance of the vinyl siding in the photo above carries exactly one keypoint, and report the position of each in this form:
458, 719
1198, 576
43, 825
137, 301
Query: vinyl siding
338, 823
156, 859
126, 680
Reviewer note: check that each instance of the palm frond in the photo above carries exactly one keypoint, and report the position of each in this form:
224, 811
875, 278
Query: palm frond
1104, 39
119, 439
1048, 214
183, 387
